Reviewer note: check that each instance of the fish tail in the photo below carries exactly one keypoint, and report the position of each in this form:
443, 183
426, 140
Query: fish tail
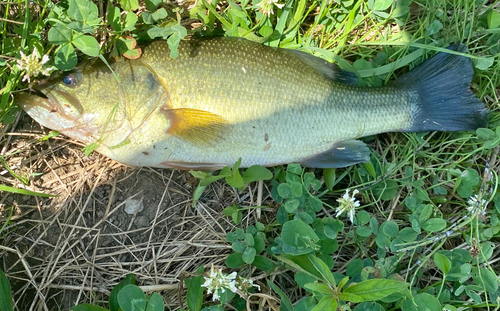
445, 102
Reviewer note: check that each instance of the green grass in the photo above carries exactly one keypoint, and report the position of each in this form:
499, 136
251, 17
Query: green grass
413, 242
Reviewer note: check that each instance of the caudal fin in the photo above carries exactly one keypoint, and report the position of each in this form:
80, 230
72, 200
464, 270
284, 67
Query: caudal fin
445, 101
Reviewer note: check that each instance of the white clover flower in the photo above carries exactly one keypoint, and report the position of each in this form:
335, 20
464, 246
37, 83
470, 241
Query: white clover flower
218, 282
32, 65
476, 205
266, 6
348, 204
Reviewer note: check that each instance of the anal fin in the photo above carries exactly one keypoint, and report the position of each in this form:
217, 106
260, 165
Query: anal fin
342, 154
199, 127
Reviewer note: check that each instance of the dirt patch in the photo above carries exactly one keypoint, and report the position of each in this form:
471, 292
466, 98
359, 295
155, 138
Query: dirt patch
75, 247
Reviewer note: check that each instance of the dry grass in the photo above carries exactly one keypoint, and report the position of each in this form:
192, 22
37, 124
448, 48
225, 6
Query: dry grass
74, 248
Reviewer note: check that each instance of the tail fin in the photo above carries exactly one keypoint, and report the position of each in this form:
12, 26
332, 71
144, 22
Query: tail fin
445, 101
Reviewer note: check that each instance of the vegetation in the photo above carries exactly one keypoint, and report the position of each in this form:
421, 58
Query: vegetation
419, 223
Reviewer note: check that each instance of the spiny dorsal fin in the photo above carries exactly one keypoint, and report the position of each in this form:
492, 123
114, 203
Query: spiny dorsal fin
329, 70
199, 127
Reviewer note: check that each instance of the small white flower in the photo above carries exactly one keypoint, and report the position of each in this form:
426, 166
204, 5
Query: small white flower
32, 65
348, 205
476, 205
266, 6
218, 282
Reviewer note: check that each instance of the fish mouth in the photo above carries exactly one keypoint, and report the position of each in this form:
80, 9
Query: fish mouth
44, 107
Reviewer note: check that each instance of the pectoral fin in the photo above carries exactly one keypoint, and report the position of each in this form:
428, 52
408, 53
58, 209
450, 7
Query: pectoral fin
342, 154
199, 127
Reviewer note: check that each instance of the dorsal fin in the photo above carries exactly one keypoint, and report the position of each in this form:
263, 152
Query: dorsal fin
329, 70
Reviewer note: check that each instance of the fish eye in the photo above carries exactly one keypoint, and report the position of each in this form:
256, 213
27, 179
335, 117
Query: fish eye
70, 80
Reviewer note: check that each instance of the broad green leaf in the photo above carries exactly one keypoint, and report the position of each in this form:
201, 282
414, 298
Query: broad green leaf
350, 297
114, 18
408, 234
386, 189
363, 231
234, 260
369, 306
375, 289
178, 33
194, 297
292, 205
427, 302
433, 28
323, 269
82, 10
327, 303
113, 296
159, 14
87, 44
442, 262
493, 19
284, 190
263, 263
318, 287
434, 225
298, 234
248, 255
131, 298
65, 58
155, 303
381, 5
59, 34
151, 5
129, 5
85, 307
129, 21
487, 278
5, 293
255, 173
390, 228
286, 304
484, 62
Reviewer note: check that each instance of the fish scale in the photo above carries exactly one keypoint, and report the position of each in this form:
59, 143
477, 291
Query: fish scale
226, 98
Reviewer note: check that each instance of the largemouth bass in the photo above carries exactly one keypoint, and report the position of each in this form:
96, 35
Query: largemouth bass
226, 98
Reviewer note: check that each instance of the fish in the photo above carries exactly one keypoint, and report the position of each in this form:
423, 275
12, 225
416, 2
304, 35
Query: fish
224, 99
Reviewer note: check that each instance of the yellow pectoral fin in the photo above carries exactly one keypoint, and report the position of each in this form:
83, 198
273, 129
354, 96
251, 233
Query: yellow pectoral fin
199, 127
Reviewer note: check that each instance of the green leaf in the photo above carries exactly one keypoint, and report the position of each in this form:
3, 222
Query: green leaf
433, 28
248, 255
131, 298
493, 19
369, 306
292, 205
194, 297
114, 18
484, 62
426, 302
82, 10
434, 225
59, 34
363, 231
327, 303
442, 262
65, 58
235, 180
178, 33
386, 189
381, 5
297, 233
5, 293
323, 269
318, 287
113, 296
151, 5
83, 307
408, 234
390, 228
255, 173
487, 278
234, 260
350, 297
155, 303
24, 191
294, 168
263, 263
375, 289
329, 176
284, 191
87, 44
286, 304
129, 21
129, 5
